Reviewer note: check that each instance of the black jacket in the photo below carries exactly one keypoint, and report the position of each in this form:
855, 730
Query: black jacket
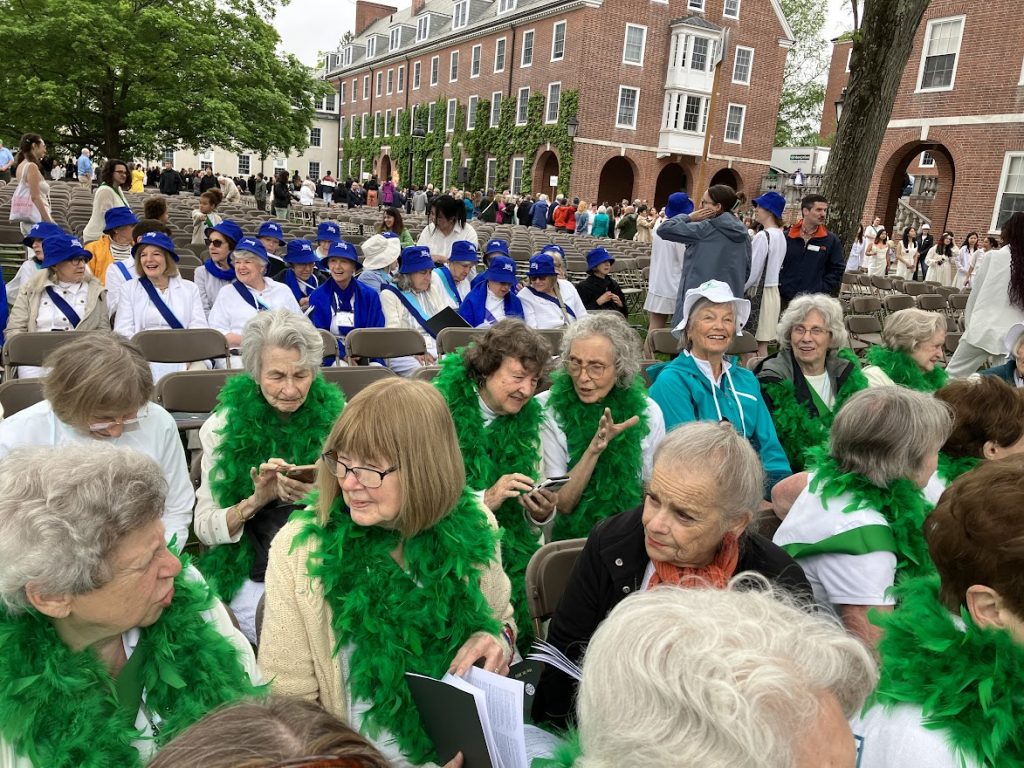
815, 266
593, 287
610, 568
171, 182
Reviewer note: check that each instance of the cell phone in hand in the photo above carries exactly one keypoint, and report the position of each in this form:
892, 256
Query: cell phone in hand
304, 474
553, 484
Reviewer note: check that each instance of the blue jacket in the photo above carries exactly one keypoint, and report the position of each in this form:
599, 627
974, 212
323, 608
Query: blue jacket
816, 266
474, 305
539, 214
366, 307
685, 394
1004, 372
4, 311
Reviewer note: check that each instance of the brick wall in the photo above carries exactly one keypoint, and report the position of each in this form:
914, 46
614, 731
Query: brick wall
367, 13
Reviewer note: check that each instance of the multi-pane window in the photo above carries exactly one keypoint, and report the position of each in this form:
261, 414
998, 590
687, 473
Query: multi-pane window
449, 124
380, 83
695, 5
734, 123
422, 28
435, 64
417, 69
699, 54
314, 137
344, 90
625, 116
412, 117
387, 122
516, 186
168, 155
471, 112
314, 169
490, 173
355, 89
495, 108
395, 39
941, 51
453, 68
460, 14
742, 65
366, 86
732, 9
927, 160
329, 102
446, 174
352, 123
554, 101
366, 119
371, 47
401, 79
430, 116
527, 56
636, 41
398, 121
499, 55
243, 165
523, 106
346, 56
504, 6
558, 42
474, 61
428, 167
376, 123
391, 81
1010, 199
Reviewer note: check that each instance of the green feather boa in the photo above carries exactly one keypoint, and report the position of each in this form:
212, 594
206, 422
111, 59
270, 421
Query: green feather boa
902, 504
969, 683
254, 432
58, 708
401, 621
901, 368
565, 756
506, 445
798, 430
950, 469
617, 481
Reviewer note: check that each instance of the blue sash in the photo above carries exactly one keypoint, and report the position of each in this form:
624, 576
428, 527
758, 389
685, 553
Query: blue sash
64, 307
552, 299
415, 311
220, 274
124, 270
161, 306
248, 298
300, 288
449, 283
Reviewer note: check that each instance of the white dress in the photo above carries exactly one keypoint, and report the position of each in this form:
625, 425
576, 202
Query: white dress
856, 256
767, 252
904, 272
666, 271
940, 268
877, 258
964, 258
540, 313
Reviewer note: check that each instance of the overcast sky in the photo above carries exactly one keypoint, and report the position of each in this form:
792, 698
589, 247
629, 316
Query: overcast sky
308, 26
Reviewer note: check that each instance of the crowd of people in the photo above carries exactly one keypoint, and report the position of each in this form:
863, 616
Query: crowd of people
805, 558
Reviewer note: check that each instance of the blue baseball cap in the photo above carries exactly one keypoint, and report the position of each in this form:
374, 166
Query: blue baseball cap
415, 258
41, 231
772, 202
496, 245
342, 250
552, 248
160, 240
271, 229
253, 246
121, 216
678, 202
501, 270
464, 250
300, 252
542, 265
63, 248
598, 256
230, 230
328, 230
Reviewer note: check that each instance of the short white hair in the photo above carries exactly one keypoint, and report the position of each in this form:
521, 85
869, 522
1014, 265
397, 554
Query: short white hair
905, 329
624, 340
283, 329
802, 306
713, 678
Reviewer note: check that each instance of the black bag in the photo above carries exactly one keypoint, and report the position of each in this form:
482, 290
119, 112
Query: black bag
261, 530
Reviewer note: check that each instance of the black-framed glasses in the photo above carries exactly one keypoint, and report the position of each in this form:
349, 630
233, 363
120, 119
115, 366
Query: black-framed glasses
218, 243
367, 477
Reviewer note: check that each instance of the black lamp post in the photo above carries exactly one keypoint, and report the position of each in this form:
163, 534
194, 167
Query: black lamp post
839, 107
415, 133
572, 125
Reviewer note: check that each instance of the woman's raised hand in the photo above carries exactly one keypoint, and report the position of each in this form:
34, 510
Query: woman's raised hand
608, 430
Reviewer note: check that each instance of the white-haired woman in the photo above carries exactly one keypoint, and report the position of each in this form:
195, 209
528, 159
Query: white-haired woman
108, 646
600, 427
269, 420
856, 528
549, 302
410, 302
913, 343
807, 381
690, 531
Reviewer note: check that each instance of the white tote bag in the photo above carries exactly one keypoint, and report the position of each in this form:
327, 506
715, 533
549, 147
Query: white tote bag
23, 209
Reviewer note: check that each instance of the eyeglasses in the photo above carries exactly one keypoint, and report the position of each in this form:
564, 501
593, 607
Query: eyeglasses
218, 243
125, 423
816, 331
368, 478
593, 370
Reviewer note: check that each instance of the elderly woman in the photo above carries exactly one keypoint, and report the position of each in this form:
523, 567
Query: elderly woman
447, 226
114, 246
600, 427
249, 294
691, 530
951, 653
300, 276
490, 387
599, 291
912, 346
856, 528
217, 272
160, 298
1012, 371
807, 381
493, 298
701, 384
546, 302
33, 241
410, 302
456, 275
343, 303
396, 555
268, 420
380, 259
108, 646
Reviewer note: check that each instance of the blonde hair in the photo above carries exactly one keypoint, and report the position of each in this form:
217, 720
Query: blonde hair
907, 328
170, 265
406, 424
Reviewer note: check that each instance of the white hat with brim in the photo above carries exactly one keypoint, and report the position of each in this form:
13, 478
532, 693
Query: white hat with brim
380, 251
1013, 338
716, 292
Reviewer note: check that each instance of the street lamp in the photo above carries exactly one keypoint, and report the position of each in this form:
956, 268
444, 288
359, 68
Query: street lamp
415, 133
572, 125
839, 106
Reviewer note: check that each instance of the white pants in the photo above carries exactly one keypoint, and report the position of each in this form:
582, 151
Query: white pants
244, 607
967, 360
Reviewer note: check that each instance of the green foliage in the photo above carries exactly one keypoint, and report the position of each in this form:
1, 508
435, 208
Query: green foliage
803, 89
502, 142
133, 76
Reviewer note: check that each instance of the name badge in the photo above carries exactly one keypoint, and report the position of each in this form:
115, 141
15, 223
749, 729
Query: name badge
344, 320
813, 247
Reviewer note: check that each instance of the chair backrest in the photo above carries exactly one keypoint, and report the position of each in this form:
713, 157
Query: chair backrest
384, 342
32, 348
427, 372
546, 577
330, 343
18, 394
184, 345
192, 391
898, 302
663, 342
916, 289
353, 379
865, 305
450, 339
958, 301
952, 342
860, 324
743, 344
553, 336
932, 302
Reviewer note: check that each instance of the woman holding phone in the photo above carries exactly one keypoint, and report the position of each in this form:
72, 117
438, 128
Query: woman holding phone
269, 424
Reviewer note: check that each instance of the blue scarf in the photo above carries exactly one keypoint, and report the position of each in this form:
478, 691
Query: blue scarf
227, 275
474, 308
300, 288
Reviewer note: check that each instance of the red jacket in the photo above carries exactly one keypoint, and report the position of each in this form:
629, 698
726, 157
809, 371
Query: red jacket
565, 217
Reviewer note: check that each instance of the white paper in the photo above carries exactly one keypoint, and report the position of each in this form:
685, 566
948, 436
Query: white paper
505, 712
539, 743
550, 655
483, 712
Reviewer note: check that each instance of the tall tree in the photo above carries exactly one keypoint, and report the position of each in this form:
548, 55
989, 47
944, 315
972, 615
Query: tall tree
130, 77
803, 89
875, 74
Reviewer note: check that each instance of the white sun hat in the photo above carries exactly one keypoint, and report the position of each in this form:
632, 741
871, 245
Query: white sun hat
716, 292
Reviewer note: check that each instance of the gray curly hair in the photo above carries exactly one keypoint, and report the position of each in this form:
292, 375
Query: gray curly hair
284, 329
613, 327
802, 306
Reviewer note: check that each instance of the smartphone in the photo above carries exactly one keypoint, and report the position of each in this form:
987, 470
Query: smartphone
304, 474
553, 484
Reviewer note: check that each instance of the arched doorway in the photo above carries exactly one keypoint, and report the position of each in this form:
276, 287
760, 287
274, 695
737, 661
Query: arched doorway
544, 168
931, 176
671, 179
385, 168
616, 181
726, 176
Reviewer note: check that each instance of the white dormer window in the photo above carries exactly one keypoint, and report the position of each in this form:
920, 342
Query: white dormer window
371, 47
422, 28
504, 6
396, 39
346, 56
460, 14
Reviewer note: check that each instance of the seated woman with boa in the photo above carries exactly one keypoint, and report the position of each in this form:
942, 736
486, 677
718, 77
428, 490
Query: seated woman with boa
913, 343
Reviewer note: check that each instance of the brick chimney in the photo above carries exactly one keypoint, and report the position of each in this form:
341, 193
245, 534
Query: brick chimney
418, 6
367, 13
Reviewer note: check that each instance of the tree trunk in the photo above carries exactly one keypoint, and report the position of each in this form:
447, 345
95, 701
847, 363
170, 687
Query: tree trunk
875, 73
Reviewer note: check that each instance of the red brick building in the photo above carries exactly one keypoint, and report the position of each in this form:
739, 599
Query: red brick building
958, 122
641, 72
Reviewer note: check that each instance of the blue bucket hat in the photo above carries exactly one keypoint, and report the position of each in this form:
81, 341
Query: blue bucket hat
341, 250
63, 248
121, 216
552, 248
328, 230
415, 258
496, 245
542, 265
158, 239
271, 229
299, 252
501, 270
678, 202
463, 250
598, 256
253, 246
41, 231
772, 202
230, 230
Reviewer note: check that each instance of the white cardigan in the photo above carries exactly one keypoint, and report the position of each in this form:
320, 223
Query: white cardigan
989, 313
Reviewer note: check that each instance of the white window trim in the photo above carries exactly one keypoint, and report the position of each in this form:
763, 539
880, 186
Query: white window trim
371, 47
424, 22
341, 93
565, 38
750, 67
849, 57
435, 72
471, 105
389, 87
691, 7
450, 114
547, 103
512, 174
533, 50
490, 177
366, 87
398, 121
465, 19
428, 166
1021, 82
355, 89
504, 62
394, 39
446, 173
727, 16
519, 96
453, 64
319, 137
743, 123
400, 85
510, 6
490, 118
643, 46
922, 164
956, 57
376, 124
476, 56
1007, 159
636, 107
417, 75
379, 78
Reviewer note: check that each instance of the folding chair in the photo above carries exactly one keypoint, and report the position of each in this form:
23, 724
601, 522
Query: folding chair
183, 345
662, 341
450, 339
547, 574
427, 372
865, 329
743, 344
952, 342
384, 343
932, 302
912, 288
353, 379
32, 348
18, 394
192, 391
897, 302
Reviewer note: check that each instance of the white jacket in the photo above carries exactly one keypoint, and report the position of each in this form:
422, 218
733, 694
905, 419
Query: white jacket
231, 312
989, 313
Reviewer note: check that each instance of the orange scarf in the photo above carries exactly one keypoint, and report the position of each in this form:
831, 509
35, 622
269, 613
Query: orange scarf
715, 574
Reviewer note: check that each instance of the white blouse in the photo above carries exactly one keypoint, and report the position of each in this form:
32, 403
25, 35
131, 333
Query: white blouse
541, 313
114, 280
231, 312
50, 318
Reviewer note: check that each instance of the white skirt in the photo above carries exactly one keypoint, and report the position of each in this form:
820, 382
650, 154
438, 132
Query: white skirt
768, 319
659, 304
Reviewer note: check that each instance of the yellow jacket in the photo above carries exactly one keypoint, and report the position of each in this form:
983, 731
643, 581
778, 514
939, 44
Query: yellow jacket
101, 258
